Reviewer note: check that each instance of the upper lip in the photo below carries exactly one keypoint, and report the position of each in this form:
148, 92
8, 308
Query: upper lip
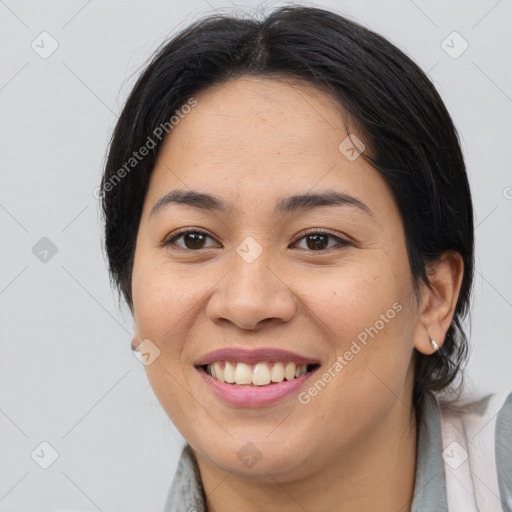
252, 356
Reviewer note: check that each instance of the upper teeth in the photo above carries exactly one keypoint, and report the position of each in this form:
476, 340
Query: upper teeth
258, 374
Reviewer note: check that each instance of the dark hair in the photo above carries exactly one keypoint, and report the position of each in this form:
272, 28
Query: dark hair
410, 138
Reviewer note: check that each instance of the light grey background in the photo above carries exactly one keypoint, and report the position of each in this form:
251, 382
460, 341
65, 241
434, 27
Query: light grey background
67, 374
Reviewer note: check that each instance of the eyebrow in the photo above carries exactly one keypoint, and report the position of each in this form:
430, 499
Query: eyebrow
287, 205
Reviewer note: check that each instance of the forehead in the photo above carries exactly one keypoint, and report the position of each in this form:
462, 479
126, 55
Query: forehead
259, 137
259, 116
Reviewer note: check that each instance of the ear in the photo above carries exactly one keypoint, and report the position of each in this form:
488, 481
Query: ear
438, 304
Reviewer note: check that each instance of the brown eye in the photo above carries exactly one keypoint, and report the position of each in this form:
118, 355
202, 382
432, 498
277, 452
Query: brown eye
319, 241
194, 240
191, 239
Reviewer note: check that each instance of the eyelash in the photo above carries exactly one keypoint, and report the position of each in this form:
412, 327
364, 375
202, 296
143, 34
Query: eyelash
171, 240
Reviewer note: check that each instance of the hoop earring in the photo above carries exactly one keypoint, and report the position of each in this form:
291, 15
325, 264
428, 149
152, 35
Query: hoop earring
435, 346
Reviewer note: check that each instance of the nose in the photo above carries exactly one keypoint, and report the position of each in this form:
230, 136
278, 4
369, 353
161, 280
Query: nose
251, 295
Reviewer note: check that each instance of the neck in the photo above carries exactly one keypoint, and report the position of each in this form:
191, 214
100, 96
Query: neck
375, 474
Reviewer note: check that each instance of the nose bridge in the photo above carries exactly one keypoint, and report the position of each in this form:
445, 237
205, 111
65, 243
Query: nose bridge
252, 290
252, 272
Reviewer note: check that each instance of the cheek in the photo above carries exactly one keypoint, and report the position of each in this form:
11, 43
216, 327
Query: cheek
366, 315
356, 298
370, 338
164, 313
163, 301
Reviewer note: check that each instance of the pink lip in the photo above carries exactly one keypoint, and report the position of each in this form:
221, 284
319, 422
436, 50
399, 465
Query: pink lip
251, 395
253, 356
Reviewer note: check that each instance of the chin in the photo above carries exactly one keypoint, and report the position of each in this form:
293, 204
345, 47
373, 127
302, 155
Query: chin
260, 459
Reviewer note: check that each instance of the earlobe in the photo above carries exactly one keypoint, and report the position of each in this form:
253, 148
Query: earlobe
435, 346
439, 301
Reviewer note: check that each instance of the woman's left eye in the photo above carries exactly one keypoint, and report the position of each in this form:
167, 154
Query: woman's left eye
315, 240
319, 240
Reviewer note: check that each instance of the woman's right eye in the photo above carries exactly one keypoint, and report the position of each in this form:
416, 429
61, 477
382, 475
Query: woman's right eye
193, 239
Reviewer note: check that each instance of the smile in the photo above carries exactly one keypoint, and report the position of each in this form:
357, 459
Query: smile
259, 374
254, 377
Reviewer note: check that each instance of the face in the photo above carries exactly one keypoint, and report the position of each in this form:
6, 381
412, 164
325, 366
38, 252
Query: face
269, 281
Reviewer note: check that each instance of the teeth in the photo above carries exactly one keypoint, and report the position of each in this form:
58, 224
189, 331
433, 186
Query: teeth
229, 373
243, 374
277, 373
219, 372
289, 371
260, 374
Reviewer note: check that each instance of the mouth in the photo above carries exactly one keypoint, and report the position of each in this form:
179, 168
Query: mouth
263, 373
257, 377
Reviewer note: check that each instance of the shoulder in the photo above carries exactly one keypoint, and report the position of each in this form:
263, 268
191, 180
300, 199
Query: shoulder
473, 414
477, 448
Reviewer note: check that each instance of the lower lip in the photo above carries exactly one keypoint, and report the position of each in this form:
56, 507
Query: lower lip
251, 395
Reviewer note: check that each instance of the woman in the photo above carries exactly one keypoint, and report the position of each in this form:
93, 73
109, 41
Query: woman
288, 216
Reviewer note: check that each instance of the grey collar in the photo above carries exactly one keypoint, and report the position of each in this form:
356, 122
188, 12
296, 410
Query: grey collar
187, 493
430, 482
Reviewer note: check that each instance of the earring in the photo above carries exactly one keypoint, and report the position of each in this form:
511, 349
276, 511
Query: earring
435, 346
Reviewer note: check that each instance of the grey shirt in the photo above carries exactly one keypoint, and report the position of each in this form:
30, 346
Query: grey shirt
187, 495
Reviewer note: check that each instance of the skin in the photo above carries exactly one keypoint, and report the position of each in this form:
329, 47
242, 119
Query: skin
253, 141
